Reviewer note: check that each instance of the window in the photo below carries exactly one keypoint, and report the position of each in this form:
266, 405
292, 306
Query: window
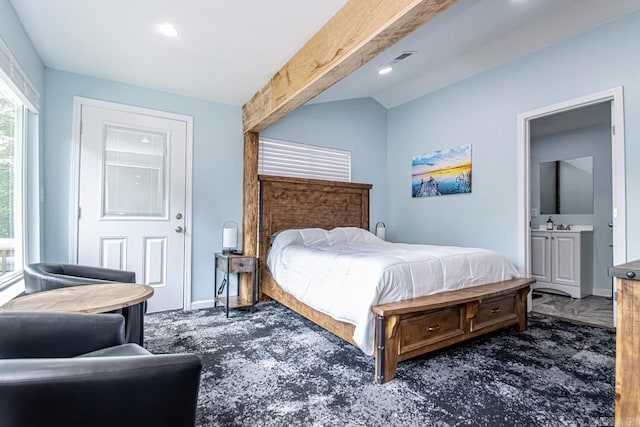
11, 181
19, 101
135, 166
282, 158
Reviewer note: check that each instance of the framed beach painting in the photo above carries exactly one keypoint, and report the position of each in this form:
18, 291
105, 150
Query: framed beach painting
442, 172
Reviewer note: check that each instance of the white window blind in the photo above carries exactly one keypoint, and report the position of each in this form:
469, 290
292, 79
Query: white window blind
17, 80
283, 158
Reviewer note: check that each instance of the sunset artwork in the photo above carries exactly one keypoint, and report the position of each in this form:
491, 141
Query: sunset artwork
442, 172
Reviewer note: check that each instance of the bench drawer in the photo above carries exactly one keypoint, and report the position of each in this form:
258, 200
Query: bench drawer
494, 311
430, 328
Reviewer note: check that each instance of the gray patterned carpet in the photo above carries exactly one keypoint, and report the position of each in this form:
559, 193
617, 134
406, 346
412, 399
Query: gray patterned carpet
272, 367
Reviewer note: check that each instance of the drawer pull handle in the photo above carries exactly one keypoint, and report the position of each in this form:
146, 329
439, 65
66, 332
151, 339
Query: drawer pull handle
240, 264
433, 328
495, 310
631, 274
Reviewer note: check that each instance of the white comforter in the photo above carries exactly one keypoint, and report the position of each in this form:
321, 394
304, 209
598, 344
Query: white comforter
346, 271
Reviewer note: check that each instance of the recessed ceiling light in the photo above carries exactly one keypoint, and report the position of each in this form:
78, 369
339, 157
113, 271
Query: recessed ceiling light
168, 29
145, 140
385, 70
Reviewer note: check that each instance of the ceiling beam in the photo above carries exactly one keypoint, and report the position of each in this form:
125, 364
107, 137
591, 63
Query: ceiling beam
358, 32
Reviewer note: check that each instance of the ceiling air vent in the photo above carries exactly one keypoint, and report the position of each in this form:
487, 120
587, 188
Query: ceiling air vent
386, 68
402, 56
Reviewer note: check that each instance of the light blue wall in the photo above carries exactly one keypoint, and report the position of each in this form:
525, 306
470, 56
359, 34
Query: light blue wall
217, 164
596, 142
14, 35
358, 126
16, 38
482, 111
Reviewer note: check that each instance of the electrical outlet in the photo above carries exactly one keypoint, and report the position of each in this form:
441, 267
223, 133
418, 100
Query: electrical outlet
534, 212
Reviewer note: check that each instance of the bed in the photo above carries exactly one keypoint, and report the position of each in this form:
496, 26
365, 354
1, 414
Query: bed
400, 329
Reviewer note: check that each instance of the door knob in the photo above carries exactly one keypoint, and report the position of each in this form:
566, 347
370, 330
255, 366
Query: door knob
179, 229
179, 216
610, 225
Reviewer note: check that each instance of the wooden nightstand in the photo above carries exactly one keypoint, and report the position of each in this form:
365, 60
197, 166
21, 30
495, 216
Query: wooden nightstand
232, 263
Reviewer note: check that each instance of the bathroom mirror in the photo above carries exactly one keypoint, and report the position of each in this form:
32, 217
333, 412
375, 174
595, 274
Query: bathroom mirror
566, 186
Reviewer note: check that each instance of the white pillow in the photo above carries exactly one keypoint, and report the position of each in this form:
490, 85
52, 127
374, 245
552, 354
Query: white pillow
351, 234
297, 236
319, 236
315, 236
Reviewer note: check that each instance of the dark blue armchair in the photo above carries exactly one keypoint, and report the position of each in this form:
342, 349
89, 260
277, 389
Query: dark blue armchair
61, 369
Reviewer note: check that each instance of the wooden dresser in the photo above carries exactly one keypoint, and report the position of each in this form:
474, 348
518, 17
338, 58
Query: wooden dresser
627, 343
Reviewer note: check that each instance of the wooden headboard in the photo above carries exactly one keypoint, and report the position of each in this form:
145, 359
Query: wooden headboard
305, 203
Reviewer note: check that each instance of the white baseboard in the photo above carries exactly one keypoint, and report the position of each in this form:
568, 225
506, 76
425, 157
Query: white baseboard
572, 291
199, 305
599, 292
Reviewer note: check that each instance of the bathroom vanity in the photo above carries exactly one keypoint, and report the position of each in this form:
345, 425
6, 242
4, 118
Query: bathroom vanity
562, 260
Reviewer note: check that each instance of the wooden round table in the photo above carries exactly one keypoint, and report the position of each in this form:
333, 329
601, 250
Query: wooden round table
98, 298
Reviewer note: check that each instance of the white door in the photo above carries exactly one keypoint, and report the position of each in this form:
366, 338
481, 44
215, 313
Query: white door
132, 198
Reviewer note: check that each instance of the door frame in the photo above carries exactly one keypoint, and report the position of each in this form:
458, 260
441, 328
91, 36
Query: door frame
78, 103
615, 96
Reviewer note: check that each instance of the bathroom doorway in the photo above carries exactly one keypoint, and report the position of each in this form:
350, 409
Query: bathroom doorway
576, 149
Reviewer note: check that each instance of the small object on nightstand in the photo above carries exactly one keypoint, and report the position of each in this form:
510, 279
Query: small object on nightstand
233, 263
229, 237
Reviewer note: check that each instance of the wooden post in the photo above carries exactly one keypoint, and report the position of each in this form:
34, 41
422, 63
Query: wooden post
386, 353
521, 309
250, 207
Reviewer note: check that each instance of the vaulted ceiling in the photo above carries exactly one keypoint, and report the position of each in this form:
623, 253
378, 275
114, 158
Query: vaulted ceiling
226, 50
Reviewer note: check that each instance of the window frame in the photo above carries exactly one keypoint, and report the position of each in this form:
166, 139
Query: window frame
19, 202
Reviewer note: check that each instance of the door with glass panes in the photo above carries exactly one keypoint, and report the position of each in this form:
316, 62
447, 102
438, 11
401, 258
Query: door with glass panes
132, 198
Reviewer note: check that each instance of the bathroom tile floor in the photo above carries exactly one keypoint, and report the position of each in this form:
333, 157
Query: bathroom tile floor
592, 310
